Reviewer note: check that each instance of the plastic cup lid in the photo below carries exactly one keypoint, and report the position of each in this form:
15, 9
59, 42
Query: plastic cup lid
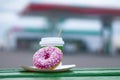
51, 41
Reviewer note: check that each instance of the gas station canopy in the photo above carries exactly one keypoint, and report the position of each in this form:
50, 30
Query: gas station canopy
37, 7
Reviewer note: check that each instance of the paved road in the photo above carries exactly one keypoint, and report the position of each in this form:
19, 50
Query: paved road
9, 59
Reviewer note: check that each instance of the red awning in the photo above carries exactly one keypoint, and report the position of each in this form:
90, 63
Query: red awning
80, 10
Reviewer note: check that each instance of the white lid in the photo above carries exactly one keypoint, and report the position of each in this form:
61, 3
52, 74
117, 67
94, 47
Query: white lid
51, 41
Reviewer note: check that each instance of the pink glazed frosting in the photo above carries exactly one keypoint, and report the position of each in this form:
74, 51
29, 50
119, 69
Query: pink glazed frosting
47, 57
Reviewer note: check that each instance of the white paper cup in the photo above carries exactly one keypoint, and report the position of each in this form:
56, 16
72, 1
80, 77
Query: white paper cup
52, 41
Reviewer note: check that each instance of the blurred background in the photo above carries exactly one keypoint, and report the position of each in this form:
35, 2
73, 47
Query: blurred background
91, 31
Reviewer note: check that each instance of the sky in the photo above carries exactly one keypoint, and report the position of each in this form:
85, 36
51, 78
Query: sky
8, 13
12, 5
89, 3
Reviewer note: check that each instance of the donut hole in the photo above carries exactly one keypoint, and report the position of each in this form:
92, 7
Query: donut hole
46, 55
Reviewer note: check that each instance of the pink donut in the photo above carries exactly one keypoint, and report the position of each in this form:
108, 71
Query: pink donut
47, 57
